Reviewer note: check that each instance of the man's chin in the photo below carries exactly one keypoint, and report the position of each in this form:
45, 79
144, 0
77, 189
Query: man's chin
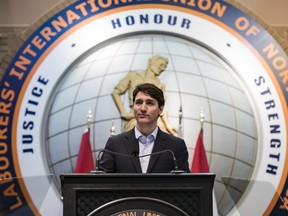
143, 120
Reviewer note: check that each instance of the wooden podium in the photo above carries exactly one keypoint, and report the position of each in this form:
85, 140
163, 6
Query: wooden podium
184, 194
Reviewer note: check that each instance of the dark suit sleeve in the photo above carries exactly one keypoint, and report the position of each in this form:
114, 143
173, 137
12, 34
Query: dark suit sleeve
106, 162
182, 156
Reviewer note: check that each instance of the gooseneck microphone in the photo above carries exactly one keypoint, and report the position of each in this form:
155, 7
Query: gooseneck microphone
98, 158
135, 154
176, 169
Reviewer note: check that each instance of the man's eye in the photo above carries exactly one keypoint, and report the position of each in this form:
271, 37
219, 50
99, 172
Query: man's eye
150, 103
138, 102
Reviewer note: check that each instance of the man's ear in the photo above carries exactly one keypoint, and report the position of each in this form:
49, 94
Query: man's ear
161, 108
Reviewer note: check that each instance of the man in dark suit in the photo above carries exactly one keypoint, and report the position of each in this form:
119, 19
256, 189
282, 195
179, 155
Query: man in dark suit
123, 152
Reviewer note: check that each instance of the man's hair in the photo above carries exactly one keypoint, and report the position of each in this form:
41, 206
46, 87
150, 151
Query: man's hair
152, 90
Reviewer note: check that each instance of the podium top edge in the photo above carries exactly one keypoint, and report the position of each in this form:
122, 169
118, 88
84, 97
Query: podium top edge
138, 174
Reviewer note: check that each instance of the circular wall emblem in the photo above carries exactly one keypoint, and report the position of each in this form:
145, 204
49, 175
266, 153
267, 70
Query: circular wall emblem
220, 61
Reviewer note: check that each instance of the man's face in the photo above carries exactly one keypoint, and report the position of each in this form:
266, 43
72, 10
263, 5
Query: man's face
146, 109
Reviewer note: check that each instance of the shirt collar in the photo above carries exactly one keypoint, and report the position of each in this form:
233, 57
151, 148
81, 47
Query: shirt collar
138, 133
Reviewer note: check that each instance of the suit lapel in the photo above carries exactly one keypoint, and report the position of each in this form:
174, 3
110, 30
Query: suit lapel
133, 147
159, 145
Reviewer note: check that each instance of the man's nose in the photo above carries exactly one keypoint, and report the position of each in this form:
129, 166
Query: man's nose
143, 107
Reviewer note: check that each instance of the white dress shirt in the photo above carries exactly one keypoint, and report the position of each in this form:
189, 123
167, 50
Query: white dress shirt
145, 147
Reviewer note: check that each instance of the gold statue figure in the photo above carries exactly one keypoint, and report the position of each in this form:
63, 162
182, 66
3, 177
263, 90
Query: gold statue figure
156, 65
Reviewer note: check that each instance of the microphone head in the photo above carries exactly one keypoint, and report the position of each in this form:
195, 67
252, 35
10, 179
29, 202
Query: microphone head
135, 151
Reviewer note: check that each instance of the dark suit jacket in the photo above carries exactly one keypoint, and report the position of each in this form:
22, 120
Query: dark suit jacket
126, 146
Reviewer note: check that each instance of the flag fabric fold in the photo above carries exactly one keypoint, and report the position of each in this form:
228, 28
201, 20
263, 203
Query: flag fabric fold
200, 165
85, 161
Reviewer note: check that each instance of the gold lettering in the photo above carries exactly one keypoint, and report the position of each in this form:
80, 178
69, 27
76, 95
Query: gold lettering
285, 199
123, 1
4, 107
3, 148
71, 16
82, 8
4, 163
22, 62
105, 5
279, 62
11, 192
219, 9
5, 177
29, 50
243, 24
93, 6
271, 51
57, 24
7, 94
17, 204
253, 30
191, 3
4, 121
3, 133
38, 42
284, 76
204, 4
18, 74
47, 33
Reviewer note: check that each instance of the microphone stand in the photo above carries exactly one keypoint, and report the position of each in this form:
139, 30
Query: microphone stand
97, 171
175, 171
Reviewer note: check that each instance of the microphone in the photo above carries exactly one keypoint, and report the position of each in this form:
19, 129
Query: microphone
98, 158
176, 169
135, 154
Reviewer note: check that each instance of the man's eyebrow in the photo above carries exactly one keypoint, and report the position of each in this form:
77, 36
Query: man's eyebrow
151, 100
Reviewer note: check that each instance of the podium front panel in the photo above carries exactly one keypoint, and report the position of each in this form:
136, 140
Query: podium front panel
186, 194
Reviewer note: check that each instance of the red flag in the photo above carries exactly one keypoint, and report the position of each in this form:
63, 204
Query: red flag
200, 163
85, 161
